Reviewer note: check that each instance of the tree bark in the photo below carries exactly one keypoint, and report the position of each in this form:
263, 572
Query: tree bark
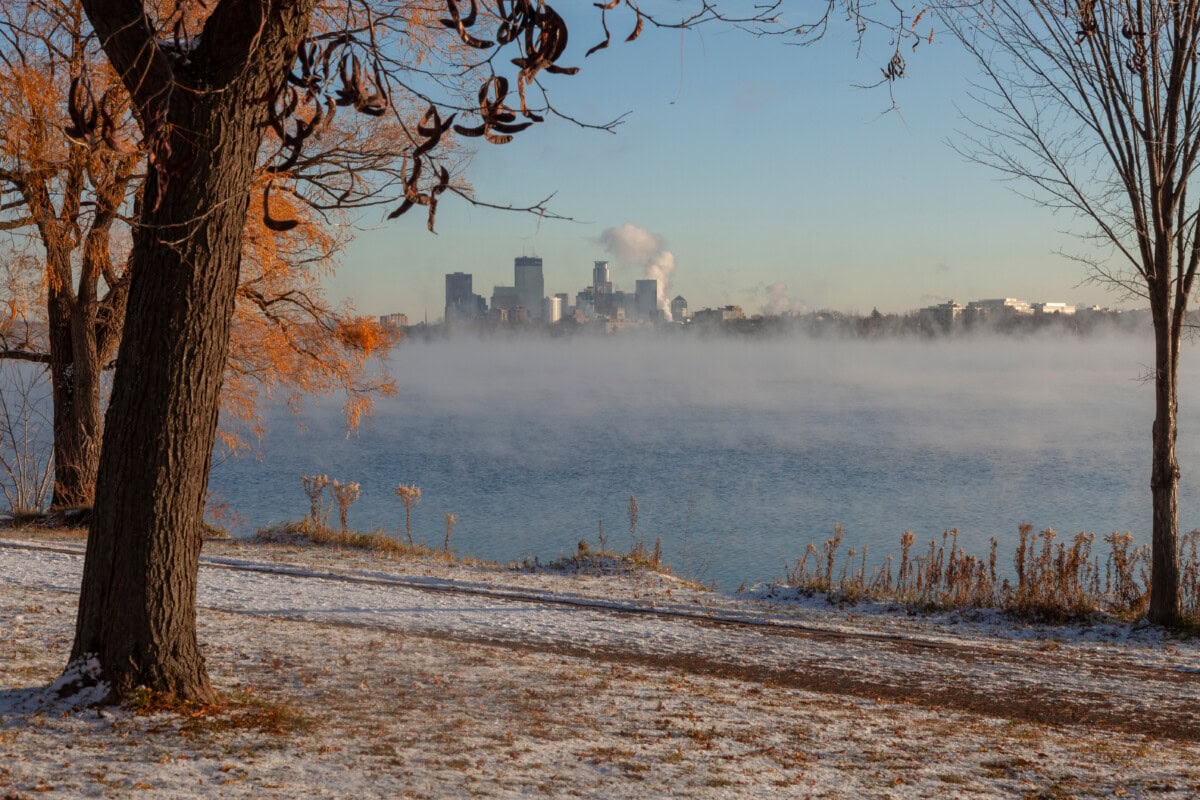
137, 607
66, 486
75, 375
1165, 608
205, 120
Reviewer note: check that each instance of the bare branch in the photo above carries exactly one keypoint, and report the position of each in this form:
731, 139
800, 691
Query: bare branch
25, 355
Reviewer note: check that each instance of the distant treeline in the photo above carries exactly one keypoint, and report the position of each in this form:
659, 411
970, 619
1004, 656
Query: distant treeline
815, 324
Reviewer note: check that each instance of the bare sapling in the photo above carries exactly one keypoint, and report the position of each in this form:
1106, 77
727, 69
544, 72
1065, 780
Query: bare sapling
601, 538
410, 495
450, 520
345, 494
633, 520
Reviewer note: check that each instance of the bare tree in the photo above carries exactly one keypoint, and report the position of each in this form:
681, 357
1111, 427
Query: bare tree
1097, 107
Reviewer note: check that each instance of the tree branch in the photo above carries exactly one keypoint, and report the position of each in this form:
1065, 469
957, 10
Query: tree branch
128, 38
25, 355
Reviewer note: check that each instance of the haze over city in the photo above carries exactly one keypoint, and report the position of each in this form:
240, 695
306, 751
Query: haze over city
526, 303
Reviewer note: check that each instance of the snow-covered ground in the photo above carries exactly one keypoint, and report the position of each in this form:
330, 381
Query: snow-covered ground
423, 679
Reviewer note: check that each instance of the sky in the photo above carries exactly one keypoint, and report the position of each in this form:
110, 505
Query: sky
764, 168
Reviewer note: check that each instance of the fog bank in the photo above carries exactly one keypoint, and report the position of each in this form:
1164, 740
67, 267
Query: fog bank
740, 451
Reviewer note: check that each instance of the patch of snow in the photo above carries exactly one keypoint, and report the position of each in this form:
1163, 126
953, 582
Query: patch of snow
81, 685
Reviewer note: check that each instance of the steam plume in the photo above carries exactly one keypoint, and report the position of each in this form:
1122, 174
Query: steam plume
638, 247
778, 300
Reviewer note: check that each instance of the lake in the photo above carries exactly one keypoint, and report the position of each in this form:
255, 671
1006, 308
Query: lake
739, 452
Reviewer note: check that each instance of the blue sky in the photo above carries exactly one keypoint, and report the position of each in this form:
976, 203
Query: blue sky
757, 163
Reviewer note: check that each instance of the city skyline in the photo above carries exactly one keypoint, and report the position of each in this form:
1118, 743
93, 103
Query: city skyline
526, 301
603, 307
834, 201
461, 300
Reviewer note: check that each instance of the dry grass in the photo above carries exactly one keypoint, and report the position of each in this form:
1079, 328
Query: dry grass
410, 496
605, 561
1055, 581
305, 533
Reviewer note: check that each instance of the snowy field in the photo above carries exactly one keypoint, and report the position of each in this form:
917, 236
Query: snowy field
407, 678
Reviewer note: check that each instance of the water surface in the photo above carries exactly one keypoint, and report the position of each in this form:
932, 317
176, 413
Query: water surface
739, 451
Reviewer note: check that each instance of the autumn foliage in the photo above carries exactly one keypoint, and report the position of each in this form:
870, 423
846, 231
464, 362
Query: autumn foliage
288, 340
70, 200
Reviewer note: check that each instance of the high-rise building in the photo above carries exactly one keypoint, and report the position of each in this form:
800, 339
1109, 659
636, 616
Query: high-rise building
679, 309
505, 297
530, 284
601, 278
460, 299
646, 294
585, 302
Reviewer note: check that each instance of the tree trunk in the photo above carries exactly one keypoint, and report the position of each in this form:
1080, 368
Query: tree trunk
1165, 606
137, 609
76, 406
75, 375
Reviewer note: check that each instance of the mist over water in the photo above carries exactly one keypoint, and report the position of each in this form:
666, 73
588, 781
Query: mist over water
739, 451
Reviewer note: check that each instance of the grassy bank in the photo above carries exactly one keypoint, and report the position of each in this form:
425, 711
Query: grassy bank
1054, 580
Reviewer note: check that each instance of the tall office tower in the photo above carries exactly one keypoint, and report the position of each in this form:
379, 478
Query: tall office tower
460, 300
679, 309
601, 278
647, 299
531, 286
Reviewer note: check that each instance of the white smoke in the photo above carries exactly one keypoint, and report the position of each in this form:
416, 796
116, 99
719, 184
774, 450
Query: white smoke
777, 300
638, 247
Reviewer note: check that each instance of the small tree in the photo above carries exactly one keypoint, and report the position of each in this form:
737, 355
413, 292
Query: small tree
410, 495
450, 520
1097, 107
345, 494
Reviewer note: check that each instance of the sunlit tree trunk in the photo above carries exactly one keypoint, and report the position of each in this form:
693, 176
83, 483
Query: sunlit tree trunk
138, 599
137, 609
1164, 471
